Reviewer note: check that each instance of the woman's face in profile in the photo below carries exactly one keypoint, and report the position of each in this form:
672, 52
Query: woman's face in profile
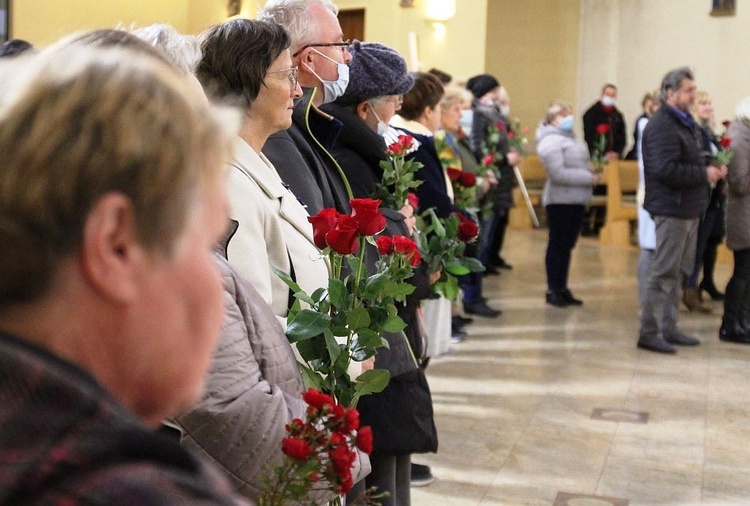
273, 106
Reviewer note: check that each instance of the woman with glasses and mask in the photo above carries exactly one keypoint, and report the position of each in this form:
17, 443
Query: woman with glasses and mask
568, 190
248, 63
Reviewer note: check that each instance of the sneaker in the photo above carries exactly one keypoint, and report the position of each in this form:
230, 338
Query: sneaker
458, 336
421, 475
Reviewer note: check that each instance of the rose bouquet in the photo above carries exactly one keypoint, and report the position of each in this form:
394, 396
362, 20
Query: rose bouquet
518, 137
724, 154
464, 189
398, 174
319, 452
444, 250
344, 321
599, 154
491, 154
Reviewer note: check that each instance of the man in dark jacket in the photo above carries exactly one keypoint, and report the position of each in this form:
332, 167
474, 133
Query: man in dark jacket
300, 154
677, 176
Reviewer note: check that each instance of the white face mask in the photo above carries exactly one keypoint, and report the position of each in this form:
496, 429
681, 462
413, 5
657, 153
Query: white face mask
467, 118
505, 110
382, 126
609, 101
332, 89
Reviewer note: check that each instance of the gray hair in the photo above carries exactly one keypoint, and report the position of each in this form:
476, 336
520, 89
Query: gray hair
556, 107
743, 110
294, 17
182, 50
673, 80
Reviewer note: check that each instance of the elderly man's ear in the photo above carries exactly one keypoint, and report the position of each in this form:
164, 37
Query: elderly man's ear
110, 253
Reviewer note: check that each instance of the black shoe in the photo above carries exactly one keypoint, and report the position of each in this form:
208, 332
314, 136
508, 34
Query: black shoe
481, 309
500, 263
557, 299
421, 476
733, 333
711, 290
491, 270
461, 321
572, 301
682, 339
458, 336
656, 344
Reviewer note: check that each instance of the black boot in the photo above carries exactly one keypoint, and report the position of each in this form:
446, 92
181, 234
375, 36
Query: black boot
707, 285
733, 331
557, 299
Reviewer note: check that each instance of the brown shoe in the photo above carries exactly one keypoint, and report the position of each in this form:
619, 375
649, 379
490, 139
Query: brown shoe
692, 301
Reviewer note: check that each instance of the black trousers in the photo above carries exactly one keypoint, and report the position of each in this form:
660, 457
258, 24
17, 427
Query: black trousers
565, 222
737, 296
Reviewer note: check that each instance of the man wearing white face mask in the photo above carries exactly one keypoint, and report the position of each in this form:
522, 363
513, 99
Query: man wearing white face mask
300, 153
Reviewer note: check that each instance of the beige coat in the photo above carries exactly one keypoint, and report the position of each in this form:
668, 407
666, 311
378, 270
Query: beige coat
738, 179
273, 231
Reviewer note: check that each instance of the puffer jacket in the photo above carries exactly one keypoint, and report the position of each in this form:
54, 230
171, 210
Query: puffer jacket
674, 163
738, 179
569, 179
252, 391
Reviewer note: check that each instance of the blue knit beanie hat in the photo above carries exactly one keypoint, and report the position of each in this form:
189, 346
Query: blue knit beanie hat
375, 70
482, 84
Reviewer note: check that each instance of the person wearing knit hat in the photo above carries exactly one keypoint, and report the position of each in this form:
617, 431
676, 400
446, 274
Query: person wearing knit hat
481, 85
401, 416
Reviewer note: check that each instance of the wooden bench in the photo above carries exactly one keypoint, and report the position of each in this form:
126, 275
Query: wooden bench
622, 179
534, 175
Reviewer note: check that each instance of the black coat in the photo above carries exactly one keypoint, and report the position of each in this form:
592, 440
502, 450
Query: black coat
674, 160
617, 134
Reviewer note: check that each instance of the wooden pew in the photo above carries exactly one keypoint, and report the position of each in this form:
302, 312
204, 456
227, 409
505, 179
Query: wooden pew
622, 179
534, 176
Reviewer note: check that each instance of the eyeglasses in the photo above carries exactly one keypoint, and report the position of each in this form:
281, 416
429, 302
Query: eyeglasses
343, 45
291, 75
397, 99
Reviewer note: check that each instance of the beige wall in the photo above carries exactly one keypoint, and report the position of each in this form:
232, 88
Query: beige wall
533, 48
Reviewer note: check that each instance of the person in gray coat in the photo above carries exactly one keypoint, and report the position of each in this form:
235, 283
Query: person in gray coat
735, 325
566, 193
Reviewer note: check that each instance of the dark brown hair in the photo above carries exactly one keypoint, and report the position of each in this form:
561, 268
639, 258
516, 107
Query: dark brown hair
426, 92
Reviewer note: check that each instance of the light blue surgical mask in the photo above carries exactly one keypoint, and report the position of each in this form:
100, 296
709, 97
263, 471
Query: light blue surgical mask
382, 126
332, 89
467, 118
609, 101
566, 123
504, 110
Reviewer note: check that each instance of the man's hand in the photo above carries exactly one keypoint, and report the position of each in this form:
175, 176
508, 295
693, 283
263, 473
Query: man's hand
612, 156
715, 173
597, 178
408, 213
513, 158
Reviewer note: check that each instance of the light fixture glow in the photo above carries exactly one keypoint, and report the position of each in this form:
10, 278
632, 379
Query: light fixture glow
440, 10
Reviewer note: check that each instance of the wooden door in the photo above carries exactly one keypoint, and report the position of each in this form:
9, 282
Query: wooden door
352, 23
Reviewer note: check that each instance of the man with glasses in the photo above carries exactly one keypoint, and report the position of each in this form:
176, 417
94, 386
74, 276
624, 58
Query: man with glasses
300, 154
677, 184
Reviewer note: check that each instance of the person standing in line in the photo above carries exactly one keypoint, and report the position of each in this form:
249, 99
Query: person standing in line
735, 325
567, 191
677, 174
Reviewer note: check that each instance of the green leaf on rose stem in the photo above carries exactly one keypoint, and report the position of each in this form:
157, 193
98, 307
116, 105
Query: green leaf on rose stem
374, 285
437, 225
362, 354
338, 294
473, 264
370, 382
286, 278
455, 267
394, 324
332, 346
312, 349
319, 294
358, 318
353, 262
450, 287
306, 324
304, 298
398, 290
310, 378
369, 339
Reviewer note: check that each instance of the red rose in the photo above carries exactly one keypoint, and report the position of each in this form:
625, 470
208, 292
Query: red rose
342, 459
602, 128
370, 221
726, 123
406, 141
337, 440
351, 419
314, 477
467, 229
322, 223
726, 142
468, 179
343, 238
346, 485
500, 126
408, 248
413, 200
317, 399
415, 258
454, 174
385, 245
296, 448
295, 427
364, 439
488, 159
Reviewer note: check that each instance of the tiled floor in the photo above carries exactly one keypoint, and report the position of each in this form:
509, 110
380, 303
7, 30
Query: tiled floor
514, 403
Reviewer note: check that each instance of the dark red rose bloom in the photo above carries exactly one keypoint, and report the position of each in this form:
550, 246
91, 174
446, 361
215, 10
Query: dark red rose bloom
467, 229
342, 459
500, 126
408, 248
296, 448
415, 258
351, 419
406, 141
338, 413
602, 128
454, 174
401, 146
511, 134
337, 440
726, 123
370, 220
343, 238
488, 159
385, 245
295, 427
314, 477
413, 200
317, 399
322, 223
468, 179
346, 485
364, 439
726, 142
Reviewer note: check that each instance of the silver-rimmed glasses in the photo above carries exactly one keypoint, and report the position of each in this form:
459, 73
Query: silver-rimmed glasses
291, 75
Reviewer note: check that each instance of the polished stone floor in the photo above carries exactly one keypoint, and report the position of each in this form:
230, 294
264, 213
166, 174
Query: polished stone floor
550, 406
